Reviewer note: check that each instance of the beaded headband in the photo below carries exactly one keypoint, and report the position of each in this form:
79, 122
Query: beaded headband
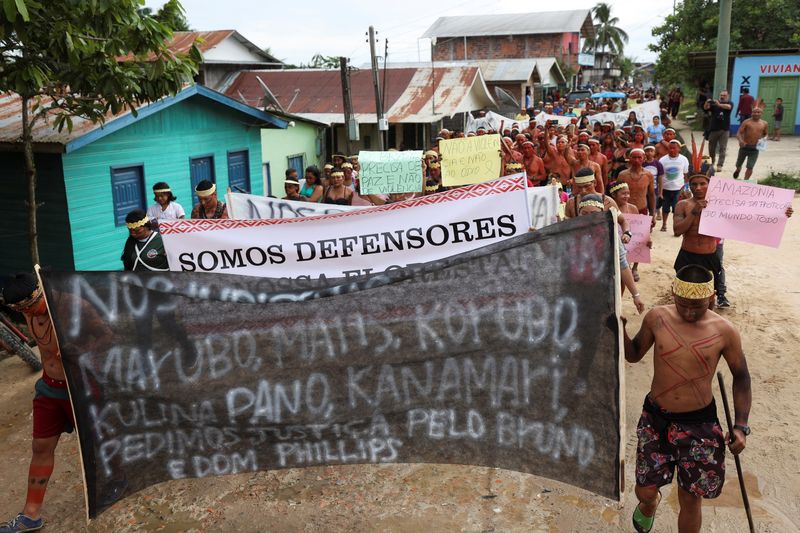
138, 223
583, 180
618, 186
27, 302
162, 190
591, 203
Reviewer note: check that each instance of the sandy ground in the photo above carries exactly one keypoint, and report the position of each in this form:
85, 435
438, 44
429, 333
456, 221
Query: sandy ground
764, 287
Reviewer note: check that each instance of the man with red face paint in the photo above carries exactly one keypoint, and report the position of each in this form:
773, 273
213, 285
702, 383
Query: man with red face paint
679, 428
52, 411
534, 166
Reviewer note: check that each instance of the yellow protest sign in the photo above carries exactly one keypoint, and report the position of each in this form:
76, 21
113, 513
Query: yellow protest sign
470, 160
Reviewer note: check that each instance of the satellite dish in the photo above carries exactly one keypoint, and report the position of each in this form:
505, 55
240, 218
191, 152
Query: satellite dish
505, 97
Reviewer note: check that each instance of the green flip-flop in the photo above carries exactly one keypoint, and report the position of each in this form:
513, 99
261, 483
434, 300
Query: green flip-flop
642, 523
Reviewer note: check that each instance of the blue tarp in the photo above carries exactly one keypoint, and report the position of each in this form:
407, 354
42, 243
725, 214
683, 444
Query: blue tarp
608, 94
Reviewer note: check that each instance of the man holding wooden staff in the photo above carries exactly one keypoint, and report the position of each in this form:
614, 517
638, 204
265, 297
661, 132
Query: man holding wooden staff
678, 427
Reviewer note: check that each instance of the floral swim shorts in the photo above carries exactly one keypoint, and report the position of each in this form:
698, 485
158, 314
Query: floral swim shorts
693, 442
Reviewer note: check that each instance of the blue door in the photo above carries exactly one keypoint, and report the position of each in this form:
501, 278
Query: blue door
239, 171
201, 168
127, 186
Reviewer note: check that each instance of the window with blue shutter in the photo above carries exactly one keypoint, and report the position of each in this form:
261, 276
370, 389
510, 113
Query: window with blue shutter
201, 168
296, 162
239, 171
127, 187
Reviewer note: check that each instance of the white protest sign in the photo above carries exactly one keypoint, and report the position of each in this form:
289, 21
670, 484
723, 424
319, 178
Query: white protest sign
543, 203
253, 207
357, 242
390, 172
745, 212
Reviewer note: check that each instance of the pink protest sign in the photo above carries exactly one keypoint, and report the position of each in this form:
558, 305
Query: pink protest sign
638, 251
745, 212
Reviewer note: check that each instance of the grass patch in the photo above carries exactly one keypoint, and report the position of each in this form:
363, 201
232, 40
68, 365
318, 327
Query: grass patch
783, 180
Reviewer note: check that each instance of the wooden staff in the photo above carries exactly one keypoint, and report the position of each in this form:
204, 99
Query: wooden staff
735, 456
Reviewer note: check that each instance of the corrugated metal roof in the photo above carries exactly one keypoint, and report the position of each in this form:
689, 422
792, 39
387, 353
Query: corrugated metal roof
493, 70
545, 69
182, 41
317, 94
578, 20
83, 129
309, 91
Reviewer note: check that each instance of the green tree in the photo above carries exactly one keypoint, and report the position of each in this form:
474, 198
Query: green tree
693, 28
68, 58
607, 35
320, 61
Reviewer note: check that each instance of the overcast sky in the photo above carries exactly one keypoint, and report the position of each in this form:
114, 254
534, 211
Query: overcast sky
296, 30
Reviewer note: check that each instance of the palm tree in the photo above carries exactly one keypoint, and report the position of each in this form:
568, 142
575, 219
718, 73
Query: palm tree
607, 34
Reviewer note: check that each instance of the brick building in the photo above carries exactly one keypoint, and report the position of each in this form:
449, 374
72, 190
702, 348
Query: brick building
514, 36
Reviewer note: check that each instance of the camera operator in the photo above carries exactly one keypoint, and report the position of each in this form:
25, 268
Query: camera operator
719, 129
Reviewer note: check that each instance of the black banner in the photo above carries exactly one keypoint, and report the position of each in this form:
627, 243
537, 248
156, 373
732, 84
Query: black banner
507, 356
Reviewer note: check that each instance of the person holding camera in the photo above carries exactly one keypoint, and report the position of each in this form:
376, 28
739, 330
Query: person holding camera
719, 128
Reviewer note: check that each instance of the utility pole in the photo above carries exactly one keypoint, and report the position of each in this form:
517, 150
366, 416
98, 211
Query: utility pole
378, 106
723, 47
348, 106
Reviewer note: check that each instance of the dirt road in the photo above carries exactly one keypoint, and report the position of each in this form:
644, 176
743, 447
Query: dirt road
764, 287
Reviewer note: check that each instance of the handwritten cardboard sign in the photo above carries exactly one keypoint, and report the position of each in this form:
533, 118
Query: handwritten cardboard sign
470, 160
507, 356
638, 251
388, 172
746, 212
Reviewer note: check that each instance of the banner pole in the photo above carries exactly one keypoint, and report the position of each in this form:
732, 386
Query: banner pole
736, 460
37, 269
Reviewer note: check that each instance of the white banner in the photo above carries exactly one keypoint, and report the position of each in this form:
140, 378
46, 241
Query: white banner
253, 207
644, 113
357, 242
543, 205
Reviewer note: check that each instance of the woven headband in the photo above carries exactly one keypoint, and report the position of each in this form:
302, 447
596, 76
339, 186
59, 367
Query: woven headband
157, 191
693, 291
583, 180
208, 192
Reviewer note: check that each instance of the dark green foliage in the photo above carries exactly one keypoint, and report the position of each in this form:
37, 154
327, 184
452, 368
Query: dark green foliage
757, 24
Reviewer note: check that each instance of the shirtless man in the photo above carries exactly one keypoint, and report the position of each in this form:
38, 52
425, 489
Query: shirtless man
679, 427
534, 166
584, 184
750, 132
559, 159
582, 161
697, 249
640, 184
599, 158
662, 148
52, 412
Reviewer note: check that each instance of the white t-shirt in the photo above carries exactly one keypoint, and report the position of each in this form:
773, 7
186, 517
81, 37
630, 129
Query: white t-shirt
674, 169
173, 211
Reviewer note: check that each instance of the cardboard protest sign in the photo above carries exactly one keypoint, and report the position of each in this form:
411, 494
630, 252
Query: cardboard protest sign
388, 172
347, 244
745, 211
470, 159
476, 359
638, 251
543, 205
253, 207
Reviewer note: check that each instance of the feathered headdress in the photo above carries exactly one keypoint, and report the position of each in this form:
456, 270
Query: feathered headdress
697, 156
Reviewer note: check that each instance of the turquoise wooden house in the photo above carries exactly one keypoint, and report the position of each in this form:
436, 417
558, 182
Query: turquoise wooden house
91, 178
